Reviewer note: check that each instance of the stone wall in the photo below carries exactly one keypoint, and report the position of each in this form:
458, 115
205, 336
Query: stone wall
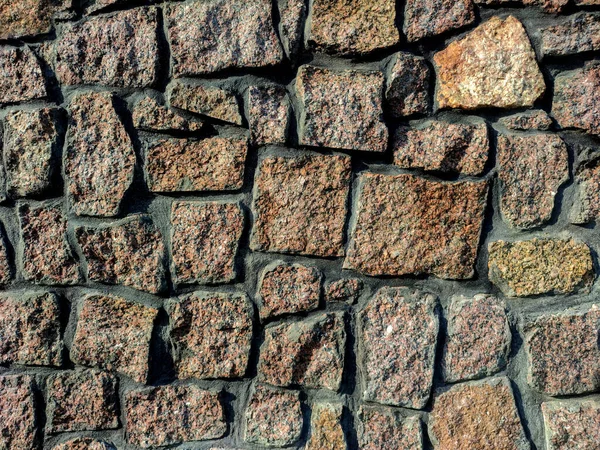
241, 224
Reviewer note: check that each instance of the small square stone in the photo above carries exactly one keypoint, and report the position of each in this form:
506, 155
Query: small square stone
210, 101
326, 432
572, 424
381, 428
268, 114
345, 290
150, 115
407, 90
18, 423
21, 76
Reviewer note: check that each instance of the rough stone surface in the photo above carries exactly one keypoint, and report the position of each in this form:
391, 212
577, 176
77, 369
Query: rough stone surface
99, 158
384, 429
273, 417
149, 115
442, 146
410, 225
130, 253
345, 290
81, 400
292, 15
93, 6
286, 289
171, 414
563, 352
6, 272
477, 416
30, 330
214, 35
85, 443
114, 334
30, 141
125, 50
21, 76
586, 207
18, 423
478, 338
572, 424
211, 334
204, 241
210, 101
540, 266
300, 204
46, 253
407, 91
354, 27
308, 353
182, 165
268, 114
548, 5
492, 66
527, 201
580, 34
398, 332
326, 428
576, 97
427, 18
532, 120
28, 17
341, 109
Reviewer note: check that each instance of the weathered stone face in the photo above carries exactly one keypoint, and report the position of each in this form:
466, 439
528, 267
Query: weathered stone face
492, 66
182, 165
526, 201
571, 424
341, 109
28, 17
30, 331
167, 415
540, 266
586, 207
398, 332
384, 429
326, 428
84, 443
563, 352
21, 76
579, 34
407, 91
354, 27
273, 417
210, 101
114, 334
211, 334
99, 159
478, 338
443, 146
410, 225
477, 416
300, 204
81, 400
308, 353
292, 17
18, 423
6, 271
268, 114
214, 35
427, 18
344, 290
547, 5
533, 120
149, 115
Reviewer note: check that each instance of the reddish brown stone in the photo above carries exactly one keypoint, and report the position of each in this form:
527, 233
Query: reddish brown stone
172, 414
21, 77
84, 443
28, 17
398, 334
6, 272
477, 338
527, 201
273, 417
427, 18
359, 26
18, 423
211, 334
210, 101
214, 35
477, 416
344, 290
292, 15
410, 225
129, 253
576, 98
99, 159
587, 2
125, 50
181, 165
30, 140
384, 429
204, 241
81, 400
540, 266
407, 90
443, 146
580, 34
586, 207
268, 114
341, 109
114, 334
30, 330
492, 66
572, 424
563, 352
308, 353
326, 428
149, 115
300, 204
286, 289
548, 5
47, 255
530, 120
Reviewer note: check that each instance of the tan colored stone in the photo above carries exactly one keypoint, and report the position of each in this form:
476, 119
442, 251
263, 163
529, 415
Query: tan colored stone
28, 17
326, 428
210, 101
572, 424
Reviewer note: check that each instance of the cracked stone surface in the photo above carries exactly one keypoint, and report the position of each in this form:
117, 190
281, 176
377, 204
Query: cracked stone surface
407, 90
149, 115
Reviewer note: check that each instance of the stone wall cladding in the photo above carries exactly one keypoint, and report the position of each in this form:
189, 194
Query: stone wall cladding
299, 224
